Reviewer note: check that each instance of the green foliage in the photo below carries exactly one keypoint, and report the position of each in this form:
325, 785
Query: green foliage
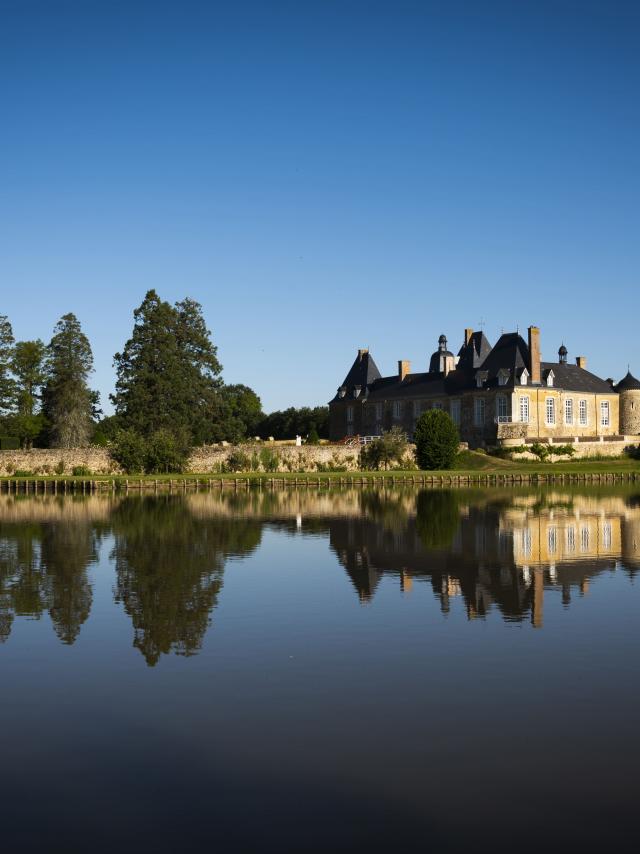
313, 438
239, 414
269, 460
68, 402
9, 443
81, 471
238, 461
59, 469
167, 374
437, 517
129, 450
7, 384
289, 423
388, 449
23, 473
543, 452
437, 440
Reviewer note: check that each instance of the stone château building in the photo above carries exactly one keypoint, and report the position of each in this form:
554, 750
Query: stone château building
494, 394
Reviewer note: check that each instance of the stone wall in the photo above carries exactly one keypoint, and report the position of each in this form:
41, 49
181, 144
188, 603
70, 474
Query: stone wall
630, 411
207, 459
598, 447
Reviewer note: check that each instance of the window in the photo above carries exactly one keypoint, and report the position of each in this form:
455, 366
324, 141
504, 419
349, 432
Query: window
501, 407
584, 539
606, 535
503, 376
524, 377
550, 378
437, 405
524, 410
378, 412
582, 406
571, 538
416, 409
552, 539
397, 409
551, 411
356, 390
349, 414
604, 413
479, 411
342, 391
568, 411
455, 412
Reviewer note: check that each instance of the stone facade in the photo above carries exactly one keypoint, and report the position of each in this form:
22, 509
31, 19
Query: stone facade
630, 412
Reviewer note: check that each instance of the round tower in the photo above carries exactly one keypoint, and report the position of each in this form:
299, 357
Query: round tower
629, 391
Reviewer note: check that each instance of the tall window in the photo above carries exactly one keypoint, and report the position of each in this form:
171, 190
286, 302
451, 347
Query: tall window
479, 411
378, 412
551, 411
583, 412
437, 405
349, 414
416, 409
455, 412
524, 410
397, 409
568, 411
501, 407
604, 413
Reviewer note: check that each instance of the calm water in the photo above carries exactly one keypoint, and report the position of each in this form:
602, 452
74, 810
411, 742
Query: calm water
378, 670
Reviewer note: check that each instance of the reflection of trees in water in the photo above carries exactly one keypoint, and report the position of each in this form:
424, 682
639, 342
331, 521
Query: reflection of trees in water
169, 567
43, 568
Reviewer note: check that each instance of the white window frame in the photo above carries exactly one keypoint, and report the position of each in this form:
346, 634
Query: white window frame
605, 413
524, 406
550, 412
502, 406
479, 411
568, 410
583, 412
455, 409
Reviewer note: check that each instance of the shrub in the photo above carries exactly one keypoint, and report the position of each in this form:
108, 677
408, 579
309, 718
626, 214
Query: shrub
268, 460
543, 452
166, 452
389, 448
129, 450
80, 471
59, 469
238, 461
23, 473
312, 437
437, 440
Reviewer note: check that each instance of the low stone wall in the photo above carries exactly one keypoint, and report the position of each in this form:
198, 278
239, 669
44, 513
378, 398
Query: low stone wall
204, 460
598, 447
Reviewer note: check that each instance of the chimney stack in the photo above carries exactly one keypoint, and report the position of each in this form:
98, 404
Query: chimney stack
534, 355
404, 368
468, 333
581, 362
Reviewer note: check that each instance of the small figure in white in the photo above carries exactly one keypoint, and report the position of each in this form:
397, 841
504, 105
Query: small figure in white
298, 441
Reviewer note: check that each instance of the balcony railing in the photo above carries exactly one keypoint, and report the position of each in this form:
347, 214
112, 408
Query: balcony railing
503, 419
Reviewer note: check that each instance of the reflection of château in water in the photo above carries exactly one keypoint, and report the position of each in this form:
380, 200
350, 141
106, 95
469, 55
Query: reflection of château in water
494, 554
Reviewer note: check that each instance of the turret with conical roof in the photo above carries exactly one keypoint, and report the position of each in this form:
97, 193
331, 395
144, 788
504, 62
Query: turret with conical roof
629, 391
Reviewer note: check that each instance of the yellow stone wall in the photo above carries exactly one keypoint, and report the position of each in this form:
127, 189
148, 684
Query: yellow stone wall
537, 412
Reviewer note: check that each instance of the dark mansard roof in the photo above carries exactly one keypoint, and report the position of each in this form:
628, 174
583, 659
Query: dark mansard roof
573, 378
362, 374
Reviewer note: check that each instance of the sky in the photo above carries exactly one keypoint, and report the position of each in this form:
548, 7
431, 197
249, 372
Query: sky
324, 176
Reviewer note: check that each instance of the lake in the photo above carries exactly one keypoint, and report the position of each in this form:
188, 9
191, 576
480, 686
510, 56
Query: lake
336, 670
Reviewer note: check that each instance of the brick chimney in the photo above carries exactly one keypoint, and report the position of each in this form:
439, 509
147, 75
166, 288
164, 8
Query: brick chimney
581, 362
404, 368
468, 333
534, 355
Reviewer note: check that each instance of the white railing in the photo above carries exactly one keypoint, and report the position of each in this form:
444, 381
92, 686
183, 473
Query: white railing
503, 419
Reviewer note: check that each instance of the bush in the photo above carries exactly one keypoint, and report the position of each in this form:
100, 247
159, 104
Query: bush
312, 437
437, 440
238, 461
80, 471
166, 452
129, 450
59, 469
269, 460
389, 448
23, 473
543, 452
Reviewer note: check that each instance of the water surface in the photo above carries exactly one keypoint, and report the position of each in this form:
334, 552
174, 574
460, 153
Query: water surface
410, 670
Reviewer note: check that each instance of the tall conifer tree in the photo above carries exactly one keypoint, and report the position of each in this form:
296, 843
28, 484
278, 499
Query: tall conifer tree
68, 402
7, 385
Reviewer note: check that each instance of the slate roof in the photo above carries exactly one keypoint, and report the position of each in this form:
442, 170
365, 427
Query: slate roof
473, 354
363, 373
629, 383
573, 378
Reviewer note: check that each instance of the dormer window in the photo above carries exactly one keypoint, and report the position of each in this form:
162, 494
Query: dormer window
481, 378
503, 376
524, 377
342, 391
550, 379
356, 390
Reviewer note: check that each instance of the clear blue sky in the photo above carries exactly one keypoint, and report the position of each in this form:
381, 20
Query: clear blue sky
324, 176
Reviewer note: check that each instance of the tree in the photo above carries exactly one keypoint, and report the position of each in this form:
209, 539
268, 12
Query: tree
68, 402
240, 413
437, 440
7, 384
389, 448
167, 373
288, 423
29, 369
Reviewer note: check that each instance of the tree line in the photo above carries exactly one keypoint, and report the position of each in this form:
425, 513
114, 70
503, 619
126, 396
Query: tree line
169, 393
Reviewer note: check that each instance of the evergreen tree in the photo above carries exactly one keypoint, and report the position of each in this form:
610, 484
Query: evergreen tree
437, 440
68, 403
167, 374
7, 384
240, 413
29, 370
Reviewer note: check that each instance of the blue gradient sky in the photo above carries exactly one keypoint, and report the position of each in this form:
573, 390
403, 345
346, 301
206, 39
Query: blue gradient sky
324, 176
